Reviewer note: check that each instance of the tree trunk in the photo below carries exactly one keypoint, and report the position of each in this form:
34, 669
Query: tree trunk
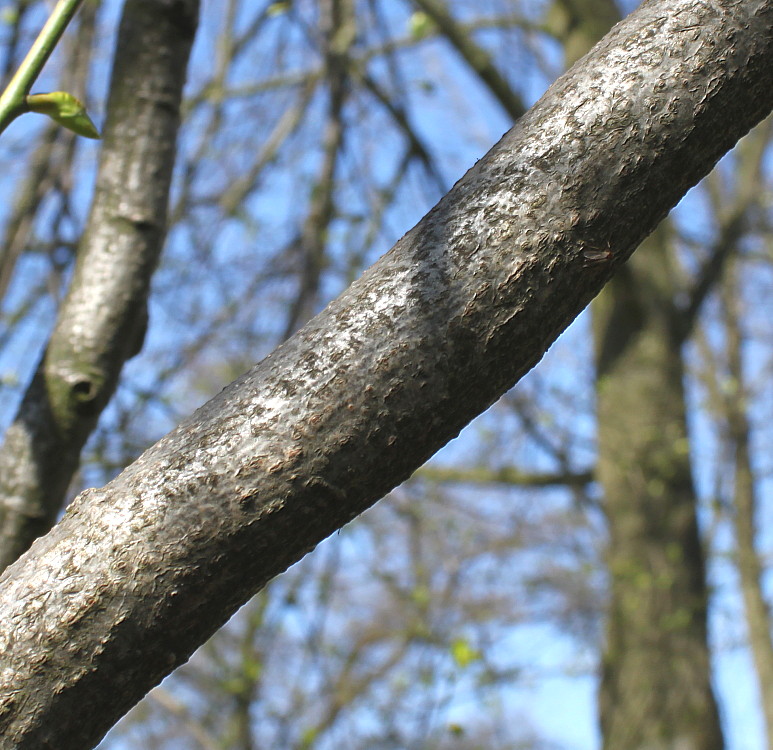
656, 681
139, 573
102, 321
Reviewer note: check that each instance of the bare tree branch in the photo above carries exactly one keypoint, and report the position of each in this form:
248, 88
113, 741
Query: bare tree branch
139, 573
337, 24
475, 56
508, 475
732, 221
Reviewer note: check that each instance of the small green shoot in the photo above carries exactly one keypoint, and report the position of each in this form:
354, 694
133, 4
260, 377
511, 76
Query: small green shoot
13, 100
65, 109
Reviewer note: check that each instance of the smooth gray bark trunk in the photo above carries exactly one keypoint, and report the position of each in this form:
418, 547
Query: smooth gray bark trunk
141, 572
101, 323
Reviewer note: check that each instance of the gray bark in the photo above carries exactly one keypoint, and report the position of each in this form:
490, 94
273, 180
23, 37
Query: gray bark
102, 320
139, 573
656, 687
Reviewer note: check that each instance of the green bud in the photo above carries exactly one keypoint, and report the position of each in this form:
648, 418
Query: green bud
277, 8
66, 110
420, 25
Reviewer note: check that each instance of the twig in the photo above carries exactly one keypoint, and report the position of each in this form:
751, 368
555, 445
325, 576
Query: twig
12, 100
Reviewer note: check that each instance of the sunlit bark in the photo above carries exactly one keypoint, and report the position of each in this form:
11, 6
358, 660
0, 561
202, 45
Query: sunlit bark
139, 573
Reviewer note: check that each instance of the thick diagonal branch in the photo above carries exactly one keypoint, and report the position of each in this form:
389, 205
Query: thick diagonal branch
141, 572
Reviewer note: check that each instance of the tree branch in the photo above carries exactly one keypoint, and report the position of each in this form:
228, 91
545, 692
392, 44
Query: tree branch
12, 99
141, 572
475, 56
507, 475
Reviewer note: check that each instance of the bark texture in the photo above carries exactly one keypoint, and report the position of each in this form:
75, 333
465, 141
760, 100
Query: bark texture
102, 321
140, 572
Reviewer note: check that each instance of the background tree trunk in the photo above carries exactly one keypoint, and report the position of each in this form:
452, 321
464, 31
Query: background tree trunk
734, 404
102, 321
656, 677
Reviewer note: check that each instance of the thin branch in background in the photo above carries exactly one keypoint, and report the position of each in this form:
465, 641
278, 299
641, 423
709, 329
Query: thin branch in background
337, 21
13, 44
12, 99
49, 173
507, 476
733, 222
235, 194
474, 55
401, 119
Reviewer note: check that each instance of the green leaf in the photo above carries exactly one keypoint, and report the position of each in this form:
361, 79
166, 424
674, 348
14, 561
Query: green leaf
420, 25
463, 653
9, 15
66, 110
277, 8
